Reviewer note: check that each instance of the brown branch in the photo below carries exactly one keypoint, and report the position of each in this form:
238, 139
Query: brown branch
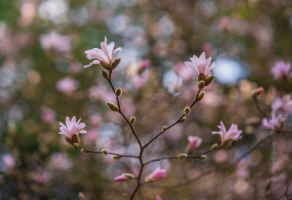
85, 150
259, 109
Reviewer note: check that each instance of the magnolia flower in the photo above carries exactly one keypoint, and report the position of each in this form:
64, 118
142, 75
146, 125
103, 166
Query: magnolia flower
156, 175
201, 65
105, 54
194, 143
124, 177
281, 69
272, 124
67, 85
72, 130
228, 136
56, 42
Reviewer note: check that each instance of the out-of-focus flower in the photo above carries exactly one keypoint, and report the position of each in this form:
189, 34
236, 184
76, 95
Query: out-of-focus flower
201, 65
281, 69
272, 124
104, 54
48, 115
56, 42
158, 174
124, 177
72, 130
42, 177
67, 85
194, 143
257, 92
228, 136
158, 198
59, 161
282, 106
102, 93
8, 160
182, 71
138, 73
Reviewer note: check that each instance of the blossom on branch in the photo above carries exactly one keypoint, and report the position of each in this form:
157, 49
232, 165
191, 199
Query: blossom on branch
201, 66
281, 69
72, 130
272, 124
124, 177
194, 143
156, 175
103, 56
228, 136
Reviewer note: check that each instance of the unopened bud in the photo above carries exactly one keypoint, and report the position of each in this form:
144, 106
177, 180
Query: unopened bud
201, 95
201, 77
201, 84
209, 80
104, 151
115, 63
214, 146
104, 75
104, 65
116, 157
113, 107
132, 120
118, 92
182, 156
129, 175
81, 196
164, 128
202, 157
226, 143
257, 92
183, 119
187, 110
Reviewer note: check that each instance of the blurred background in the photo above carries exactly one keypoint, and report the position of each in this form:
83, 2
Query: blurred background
42, 80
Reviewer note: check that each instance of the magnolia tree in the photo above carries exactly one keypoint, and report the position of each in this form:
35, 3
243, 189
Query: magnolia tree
201, 68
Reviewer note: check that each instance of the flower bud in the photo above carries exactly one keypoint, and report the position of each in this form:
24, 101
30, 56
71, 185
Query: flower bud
116, 157
226, 143
113, 107
118, 92
202, 77
104, 65
115, 63
132, 120
201, 84
164, 128
104, 151
201, 95
129, 175
209, 80
257, 92
214, 146
182, 156
104, 75
187, 110
202, 157
73, 140
84, 150
183, 119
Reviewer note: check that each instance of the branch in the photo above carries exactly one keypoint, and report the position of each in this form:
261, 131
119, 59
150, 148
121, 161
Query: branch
85, 150
259, 109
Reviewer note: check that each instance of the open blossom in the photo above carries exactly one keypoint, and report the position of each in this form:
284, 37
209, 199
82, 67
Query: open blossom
201, 65
272, 124
104, 54
56, 42
72, 130
282, 106
281, 69
182, 71
194, 143
156, 175
232, 134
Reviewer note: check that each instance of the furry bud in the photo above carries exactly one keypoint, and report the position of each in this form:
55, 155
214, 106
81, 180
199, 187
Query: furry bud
104, 65
183, 119
182, 156
104, 151
118, 92
116, 157
201, 84
113, 107
164, 128
104, 75
201, 77
202, 157
132, 120
187, 110
226, 143
209, 80
214, 146
115, 63
201, 95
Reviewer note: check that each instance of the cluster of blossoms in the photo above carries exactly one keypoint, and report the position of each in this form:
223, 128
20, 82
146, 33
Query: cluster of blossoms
202, 68
281, 70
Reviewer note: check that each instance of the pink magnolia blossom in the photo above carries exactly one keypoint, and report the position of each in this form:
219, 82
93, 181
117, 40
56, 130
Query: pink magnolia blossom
104, 54
201, 65
281, 69
67, 85
72, 130
48, 115
156, 175
138, 73
233, 132
182, 71
194, 143
56, 42
8, 160
122, 178
282, 106
158, 198
272, 124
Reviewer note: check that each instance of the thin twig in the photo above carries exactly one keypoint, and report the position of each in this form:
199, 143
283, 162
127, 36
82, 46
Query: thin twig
259, 109
110, 153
